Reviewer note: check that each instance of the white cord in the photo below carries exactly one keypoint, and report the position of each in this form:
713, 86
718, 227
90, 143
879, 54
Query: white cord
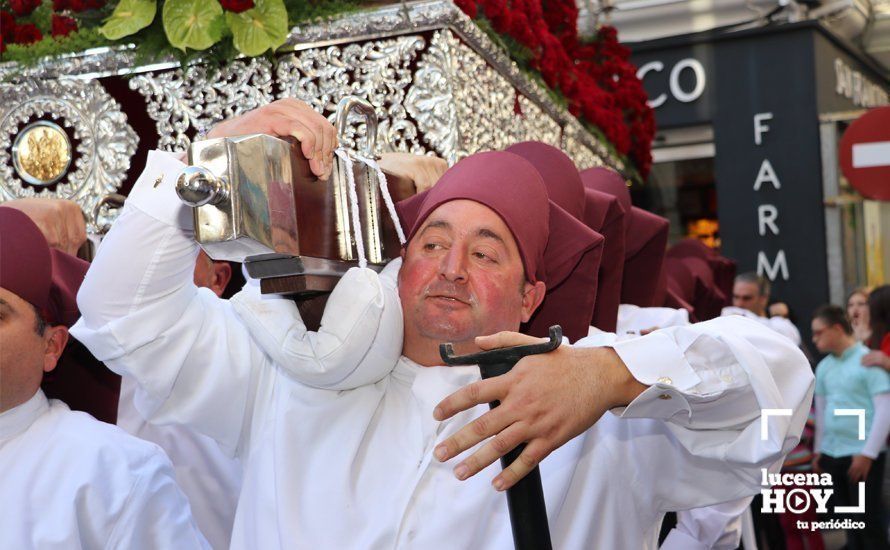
353, 199
387, 198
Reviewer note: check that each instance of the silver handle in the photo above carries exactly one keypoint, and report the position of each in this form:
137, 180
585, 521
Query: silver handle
115, 200
352, 103
197, 186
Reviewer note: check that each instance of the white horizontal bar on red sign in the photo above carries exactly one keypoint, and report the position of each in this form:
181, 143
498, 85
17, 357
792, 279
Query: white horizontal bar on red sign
870, 155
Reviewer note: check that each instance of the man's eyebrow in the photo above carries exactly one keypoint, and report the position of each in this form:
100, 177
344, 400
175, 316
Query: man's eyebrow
489, 234
436, 224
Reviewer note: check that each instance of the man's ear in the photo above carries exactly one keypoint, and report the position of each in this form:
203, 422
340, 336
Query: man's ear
222, 274
532, 296
55, 338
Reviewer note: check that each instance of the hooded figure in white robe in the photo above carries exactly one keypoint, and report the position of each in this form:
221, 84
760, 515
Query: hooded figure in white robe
68, 480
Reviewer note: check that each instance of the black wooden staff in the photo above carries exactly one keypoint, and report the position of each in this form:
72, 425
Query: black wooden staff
525, 500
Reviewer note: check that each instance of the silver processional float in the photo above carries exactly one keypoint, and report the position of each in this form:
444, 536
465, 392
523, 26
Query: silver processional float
256, 201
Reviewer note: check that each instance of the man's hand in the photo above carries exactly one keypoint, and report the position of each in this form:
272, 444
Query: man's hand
423, 170
779, 309
876, 359
546, 400
288, 117
61, 221
859, 468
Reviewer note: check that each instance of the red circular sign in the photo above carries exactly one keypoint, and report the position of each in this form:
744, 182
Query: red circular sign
865, 154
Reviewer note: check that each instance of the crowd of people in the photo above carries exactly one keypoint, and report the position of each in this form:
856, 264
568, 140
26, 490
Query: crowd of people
238, 426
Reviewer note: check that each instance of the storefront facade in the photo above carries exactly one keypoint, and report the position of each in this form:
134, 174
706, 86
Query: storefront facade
749, 125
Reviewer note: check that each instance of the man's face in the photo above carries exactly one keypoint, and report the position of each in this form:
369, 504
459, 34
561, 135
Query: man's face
463, 277
827, 338
747, 296
24, 354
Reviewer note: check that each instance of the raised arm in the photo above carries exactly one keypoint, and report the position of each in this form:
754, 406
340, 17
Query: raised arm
143, 316
195, 362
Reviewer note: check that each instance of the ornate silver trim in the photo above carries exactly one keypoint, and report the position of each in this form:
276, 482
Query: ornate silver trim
378, 71
105, 141
192, 100
386, 22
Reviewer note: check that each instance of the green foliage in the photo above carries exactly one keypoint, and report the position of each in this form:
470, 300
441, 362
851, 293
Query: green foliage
193, 30
42, 16
129, 17
29, 54
303, 11
259, 29
193, 24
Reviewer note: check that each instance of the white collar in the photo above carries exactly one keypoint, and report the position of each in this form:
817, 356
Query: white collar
18, 419
432, 384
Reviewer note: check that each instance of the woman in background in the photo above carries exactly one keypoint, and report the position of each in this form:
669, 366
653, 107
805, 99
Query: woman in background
857, 312
879, 324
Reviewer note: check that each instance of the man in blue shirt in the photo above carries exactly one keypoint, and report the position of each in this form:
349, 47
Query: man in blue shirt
843, 383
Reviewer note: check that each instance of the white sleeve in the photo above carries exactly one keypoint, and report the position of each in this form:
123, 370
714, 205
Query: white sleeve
142, 315
709, 383
880, 426
820, 423
786, 328
157, 513
717, 527
359, 339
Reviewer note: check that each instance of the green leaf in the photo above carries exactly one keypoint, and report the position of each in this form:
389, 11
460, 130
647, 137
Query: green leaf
261, 28
129, 17
196, 24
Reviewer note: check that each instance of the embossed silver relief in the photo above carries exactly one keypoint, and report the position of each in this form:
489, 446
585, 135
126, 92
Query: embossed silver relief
378, 71
535, 124
463, 105
585, 151
90, 117
460, 98
194, 99
432, 99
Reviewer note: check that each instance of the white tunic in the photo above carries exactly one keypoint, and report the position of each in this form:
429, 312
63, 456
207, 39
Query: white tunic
209, 477
635, 319
330, 358
779, 324
68, 481
354, 468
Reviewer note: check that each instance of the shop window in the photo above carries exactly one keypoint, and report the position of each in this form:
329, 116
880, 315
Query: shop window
684, 192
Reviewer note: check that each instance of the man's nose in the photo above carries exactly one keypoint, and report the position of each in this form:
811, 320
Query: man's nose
454, 265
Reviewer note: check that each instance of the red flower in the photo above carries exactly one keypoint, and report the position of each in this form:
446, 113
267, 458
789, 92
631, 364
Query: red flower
236, 6
23, 7
596, 78
498, 13
63, 26
521, 30
60, 5
468, 7
27, 34
7, 22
